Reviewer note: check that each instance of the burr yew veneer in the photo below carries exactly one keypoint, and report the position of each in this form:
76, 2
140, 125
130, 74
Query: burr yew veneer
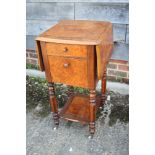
76, 52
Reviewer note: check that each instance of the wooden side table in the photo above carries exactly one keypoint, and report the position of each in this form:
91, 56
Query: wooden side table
76, 52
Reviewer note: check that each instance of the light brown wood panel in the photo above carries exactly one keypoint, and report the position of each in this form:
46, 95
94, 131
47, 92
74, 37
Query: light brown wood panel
77, 108
76, 52
39, 55
103, 53
46, 63
66, 50
92, 77
78, 32
69, 71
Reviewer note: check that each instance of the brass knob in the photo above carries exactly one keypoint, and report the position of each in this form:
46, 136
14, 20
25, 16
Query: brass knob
66, 65
65, 49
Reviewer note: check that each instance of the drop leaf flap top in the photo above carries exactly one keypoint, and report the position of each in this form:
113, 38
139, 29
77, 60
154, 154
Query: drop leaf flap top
78, 32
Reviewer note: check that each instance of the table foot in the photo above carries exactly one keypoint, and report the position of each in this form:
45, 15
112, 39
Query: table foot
92, 111
53, 103
103, 89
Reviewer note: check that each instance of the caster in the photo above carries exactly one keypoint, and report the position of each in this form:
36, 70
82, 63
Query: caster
55, 128
90, 136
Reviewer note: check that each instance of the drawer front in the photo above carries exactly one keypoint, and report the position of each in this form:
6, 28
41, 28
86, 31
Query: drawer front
66, 50
70, 71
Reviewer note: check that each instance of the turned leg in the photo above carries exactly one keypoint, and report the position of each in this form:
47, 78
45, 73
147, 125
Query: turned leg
53, 103
92, 110
70, 91
103, 89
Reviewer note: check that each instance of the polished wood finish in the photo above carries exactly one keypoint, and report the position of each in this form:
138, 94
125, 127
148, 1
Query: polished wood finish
95, 33
103, 52
92, 111
76, 53
91, 69
103, 89
53, 103
46, 62
81, 65
78, 109
78, 32
69, 71
40, 57
66, 50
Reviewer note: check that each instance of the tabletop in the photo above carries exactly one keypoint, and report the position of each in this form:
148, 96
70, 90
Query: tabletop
82, 32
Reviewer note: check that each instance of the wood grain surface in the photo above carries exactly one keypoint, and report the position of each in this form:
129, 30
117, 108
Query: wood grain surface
76, 53
77, 109
78, 32
66, 50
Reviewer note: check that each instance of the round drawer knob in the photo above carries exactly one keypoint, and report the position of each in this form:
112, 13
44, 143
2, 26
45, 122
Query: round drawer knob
65, 49
66, 65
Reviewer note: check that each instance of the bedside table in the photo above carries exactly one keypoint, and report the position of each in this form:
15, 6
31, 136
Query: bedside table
75, 53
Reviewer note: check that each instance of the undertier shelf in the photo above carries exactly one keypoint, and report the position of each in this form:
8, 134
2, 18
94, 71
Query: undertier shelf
77, 108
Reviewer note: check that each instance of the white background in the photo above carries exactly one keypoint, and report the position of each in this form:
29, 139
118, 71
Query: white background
13, 77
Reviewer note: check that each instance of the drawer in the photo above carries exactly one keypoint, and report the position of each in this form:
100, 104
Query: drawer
66, 50
70, 71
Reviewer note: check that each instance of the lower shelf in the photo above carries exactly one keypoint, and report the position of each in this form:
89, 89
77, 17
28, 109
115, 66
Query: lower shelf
77, 108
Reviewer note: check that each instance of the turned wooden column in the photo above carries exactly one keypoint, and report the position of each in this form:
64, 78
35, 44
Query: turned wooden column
53, 103
92, 111
103, 89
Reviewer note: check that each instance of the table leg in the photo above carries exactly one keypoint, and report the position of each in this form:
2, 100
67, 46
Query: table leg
103, 89
53, 103
92, 111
